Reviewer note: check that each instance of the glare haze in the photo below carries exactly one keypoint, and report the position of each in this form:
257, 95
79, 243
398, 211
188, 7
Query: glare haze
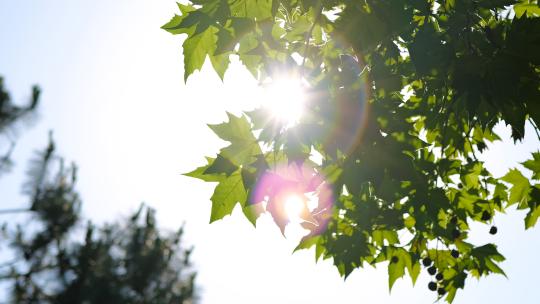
113, 94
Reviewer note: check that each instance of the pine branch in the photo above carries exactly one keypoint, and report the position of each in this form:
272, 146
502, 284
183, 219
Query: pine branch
14, 210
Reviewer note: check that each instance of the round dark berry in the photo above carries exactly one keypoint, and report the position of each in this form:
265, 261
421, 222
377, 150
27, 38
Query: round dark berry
441, 291
460, 185
394, 259
486, 216
439, 276
454, 253
432, 286
493, 230
426, 262
432, 270
456, 233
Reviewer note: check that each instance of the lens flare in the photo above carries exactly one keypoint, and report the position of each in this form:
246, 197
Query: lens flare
350, 105
295, 194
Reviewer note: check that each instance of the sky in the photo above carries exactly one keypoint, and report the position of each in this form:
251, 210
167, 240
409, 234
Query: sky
114, 96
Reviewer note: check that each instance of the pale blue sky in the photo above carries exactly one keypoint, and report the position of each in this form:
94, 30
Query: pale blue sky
114, 96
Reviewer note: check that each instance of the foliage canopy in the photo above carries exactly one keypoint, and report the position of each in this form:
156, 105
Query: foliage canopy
403, 95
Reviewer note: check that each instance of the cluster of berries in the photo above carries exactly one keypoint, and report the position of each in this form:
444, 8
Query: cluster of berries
437, 285
439, 277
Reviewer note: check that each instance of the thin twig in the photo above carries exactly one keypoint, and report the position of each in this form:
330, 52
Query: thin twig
535, 127
471, 127
309, 34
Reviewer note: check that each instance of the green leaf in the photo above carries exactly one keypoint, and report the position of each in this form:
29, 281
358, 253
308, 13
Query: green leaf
527, 9
532, 217
220, 63
534, 165
252, 212
251, 61
471, 179
221, 165
299, 29
230, 36
519, 193
256, 9
494, 267
200, 173
174, 25
487, 255
382, 237
409, 222
308, 242
227, 194
534, 205
396, 269
198, 47
244, 146
414, 272
237, 128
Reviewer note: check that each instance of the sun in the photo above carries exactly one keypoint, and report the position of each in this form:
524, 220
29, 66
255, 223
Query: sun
294, 205
284, 98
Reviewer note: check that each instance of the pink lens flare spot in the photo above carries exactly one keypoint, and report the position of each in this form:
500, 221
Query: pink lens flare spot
296, 194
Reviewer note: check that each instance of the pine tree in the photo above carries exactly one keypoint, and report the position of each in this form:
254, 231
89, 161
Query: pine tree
54, 257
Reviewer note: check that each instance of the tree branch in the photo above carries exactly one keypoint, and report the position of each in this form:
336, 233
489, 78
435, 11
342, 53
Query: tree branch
14, 210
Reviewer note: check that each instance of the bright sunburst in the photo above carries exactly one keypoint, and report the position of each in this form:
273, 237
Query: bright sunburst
284, 98
294, 205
